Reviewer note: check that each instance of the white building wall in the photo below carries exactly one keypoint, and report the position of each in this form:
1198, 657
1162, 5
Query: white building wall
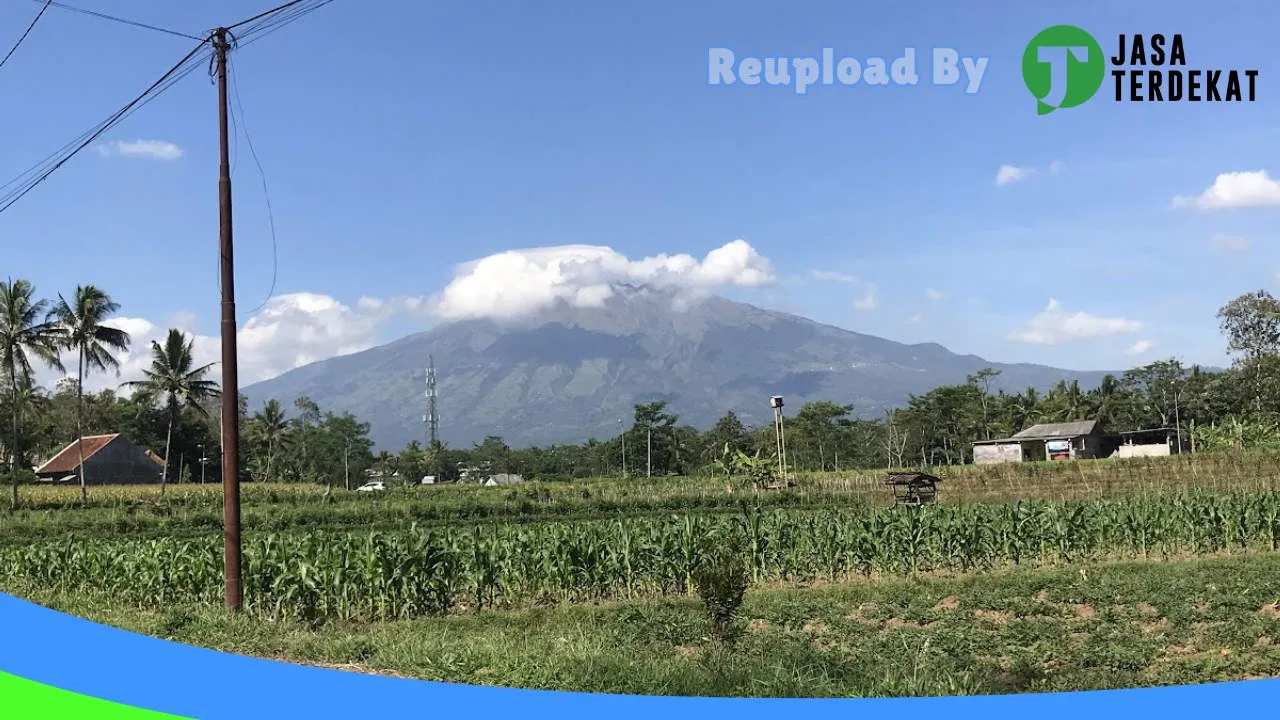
997, 453
1130, 451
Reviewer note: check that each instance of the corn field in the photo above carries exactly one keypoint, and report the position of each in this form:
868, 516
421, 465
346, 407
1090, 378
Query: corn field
1006, 482
406, 573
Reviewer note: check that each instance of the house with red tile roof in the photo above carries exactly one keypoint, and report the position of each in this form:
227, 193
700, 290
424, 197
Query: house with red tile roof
108, 460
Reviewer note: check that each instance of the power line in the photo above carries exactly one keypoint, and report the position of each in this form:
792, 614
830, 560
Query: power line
192, 62
38, 173
271, 220
274, 20
27, 32
124, 21
265, 13
24, 182
256, 28
259, 26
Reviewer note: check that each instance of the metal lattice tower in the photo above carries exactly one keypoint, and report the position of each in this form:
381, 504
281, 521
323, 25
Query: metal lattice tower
431, 419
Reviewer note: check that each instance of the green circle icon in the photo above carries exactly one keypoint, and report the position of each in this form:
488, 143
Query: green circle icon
1063, 66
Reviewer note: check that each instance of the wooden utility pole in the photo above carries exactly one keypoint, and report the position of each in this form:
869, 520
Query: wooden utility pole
230, 381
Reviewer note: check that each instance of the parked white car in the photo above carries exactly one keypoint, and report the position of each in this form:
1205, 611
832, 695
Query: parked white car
375, 486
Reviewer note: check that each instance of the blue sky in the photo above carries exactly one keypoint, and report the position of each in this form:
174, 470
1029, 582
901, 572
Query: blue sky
401, 139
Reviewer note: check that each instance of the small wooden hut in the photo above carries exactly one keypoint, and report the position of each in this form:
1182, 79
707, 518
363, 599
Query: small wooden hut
913, 488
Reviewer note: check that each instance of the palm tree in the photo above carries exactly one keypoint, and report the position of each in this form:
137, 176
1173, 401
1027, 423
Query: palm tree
270, 425
25, 331
1105, 400
1074, 405
33, 402
81, 322
174, 381
1027, 409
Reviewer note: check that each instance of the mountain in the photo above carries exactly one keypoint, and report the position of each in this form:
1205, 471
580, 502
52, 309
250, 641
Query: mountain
570, 373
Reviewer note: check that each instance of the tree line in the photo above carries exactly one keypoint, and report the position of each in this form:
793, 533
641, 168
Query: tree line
1235, 408
175, 406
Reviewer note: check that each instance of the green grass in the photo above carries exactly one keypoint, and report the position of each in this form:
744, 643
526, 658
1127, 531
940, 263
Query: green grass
1094, 626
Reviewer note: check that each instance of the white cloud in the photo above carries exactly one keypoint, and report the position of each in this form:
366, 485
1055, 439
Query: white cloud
136, 327
1140, 347
1235, 190
916, 319
296, 329
516, 283
836, 277
184, 320
868, 301
415, 306
934, 295
141, 333
1008, 174
1229, 243
291, 331
300, 328
1012, 174
155, 149
1055, 326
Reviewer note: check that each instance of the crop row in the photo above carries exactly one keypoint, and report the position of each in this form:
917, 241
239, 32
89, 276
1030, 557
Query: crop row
420, 571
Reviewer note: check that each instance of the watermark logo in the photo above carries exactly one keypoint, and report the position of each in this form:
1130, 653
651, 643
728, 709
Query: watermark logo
946, 67
1063, 66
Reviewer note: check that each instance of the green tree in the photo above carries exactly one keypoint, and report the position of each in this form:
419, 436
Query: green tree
1158, 387
267, 428
413, 462
493, 455
651, 437
1065, 402
82, 324
1109, 403
443, 462
982, 381
39, 433
304, 430
1026, 410
340, 448
944, 422
821, 423
175, 381
1251, 323
728, 430
26, 331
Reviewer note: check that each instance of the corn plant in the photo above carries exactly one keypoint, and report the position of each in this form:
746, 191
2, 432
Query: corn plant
420, 570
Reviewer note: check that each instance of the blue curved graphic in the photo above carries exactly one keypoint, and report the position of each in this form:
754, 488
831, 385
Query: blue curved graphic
82, 657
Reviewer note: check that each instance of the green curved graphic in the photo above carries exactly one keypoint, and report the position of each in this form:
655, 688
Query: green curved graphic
21, 699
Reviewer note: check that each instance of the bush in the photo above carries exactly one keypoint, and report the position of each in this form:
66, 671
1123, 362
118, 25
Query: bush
721, 578
25, 477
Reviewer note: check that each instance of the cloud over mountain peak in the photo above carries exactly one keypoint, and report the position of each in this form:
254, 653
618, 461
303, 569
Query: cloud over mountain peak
518, 283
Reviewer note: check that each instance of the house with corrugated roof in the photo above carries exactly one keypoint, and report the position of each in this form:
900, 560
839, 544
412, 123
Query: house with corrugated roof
108, 460
1081, 439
